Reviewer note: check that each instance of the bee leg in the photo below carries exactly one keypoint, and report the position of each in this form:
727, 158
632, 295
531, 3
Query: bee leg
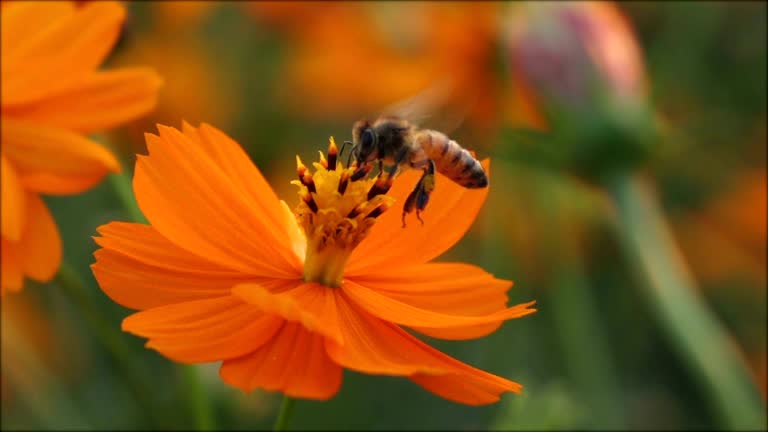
419, 197
398, 159
427, 182
410, 202
381, 166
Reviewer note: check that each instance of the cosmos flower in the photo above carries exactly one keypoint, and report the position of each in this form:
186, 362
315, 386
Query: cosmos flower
287, 299
52, 96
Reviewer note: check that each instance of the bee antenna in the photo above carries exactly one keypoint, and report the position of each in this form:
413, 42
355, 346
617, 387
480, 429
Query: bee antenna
352, 151
343, 146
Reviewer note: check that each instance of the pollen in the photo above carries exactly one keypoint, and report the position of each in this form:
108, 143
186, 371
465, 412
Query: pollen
336, 213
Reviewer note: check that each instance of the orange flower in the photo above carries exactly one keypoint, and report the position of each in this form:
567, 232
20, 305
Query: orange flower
180, 15
364, 57
52, 95
226, 272
32, 349
726, 238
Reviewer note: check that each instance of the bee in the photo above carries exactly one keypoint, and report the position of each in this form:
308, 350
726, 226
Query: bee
397, 141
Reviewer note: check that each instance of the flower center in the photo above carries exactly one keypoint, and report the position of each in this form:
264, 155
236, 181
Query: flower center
336, 214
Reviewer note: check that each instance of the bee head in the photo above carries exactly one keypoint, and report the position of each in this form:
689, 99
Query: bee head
365, 142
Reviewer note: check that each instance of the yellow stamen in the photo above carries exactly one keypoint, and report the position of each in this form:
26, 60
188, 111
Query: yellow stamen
322, 160
335, 217
333, 153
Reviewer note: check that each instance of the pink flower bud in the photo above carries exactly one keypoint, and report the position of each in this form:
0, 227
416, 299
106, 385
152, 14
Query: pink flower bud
572, 53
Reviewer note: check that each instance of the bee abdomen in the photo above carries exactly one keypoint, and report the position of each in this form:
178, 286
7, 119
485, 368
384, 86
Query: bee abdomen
452, 160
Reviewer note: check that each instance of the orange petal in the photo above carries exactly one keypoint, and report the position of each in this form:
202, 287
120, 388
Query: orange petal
204, 330
12, 202
449, 288
294, 232
37, 254
231, 159
194, 203
311, 304
21, 20
54, 161
484, 389
399, 312
11, 275
378, 347
57, 55
451, 211
100, 101
139, 268
293, 362
40, 244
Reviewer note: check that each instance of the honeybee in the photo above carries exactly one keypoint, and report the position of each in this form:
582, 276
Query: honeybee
395, 140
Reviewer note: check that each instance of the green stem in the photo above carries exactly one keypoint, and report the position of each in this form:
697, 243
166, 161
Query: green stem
582, 341
702, 341
588, 359
199, 404
121, 184
112, 340
286, 408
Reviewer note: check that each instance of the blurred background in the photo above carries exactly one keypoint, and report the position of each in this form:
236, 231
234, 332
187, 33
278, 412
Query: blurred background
628, 197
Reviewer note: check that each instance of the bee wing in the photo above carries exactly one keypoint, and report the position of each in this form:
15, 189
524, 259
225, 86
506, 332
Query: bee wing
423, 104
432, 105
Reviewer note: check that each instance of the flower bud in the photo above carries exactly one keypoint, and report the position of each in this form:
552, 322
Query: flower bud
574, 53
580, 69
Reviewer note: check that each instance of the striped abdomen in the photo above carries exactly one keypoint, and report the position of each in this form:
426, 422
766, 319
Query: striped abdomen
452, 160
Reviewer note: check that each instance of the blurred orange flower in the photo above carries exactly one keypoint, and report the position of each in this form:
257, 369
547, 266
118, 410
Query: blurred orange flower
24, 324
226, 272
568, 54
173, 46
52, 96
726, 239
32, 350
185, 59
348, 58
176, 15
